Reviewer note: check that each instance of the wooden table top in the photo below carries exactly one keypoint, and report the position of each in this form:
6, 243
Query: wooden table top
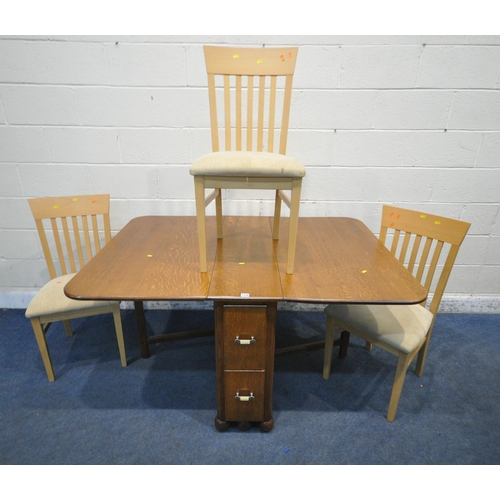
156, 258
151, 258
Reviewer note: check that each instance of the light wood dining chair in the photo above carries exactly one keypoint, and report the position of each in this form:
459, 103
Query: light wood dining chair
427, 245
70, 230
256, 86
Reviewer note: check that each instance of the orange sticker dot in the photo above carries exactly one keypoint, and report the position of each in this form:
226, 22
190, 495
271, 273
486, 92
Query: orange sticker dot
391, 214
398, 217
94, 201
282, 57
391, 224
290, 55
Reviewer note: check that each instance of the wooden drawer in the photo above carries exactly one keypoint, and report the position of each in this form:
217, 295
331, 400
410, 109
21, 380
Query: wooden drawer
244, 368
247, 385
245, 334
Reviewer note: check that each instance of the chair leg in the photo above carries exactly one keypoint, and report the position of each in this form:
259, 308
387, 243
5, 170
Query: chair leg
422, 356
368, 346
119, 334
399, 379
294, 224
199, 192
42, 346
277, 216
218, 213
67, 327
328, 347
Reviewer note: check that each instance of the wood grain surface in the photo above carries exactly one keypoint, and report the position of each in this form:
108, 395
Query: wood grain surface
156, 258
339, 260
151, 258
245, 262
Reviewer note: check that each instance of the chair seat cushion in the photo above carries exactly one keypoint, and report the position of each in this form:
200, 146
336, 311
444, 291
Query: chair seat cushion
51, 299
400, 326
247, 164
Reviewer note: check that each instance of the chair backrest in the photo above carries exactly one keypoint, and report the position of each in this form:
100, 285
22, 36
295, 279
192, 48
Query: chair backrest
424, 243
256, 85
70, 229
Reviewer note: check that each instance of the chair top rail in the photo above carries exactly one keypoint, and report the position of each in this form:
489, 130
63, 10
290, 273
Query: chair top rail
69, 206
260, 61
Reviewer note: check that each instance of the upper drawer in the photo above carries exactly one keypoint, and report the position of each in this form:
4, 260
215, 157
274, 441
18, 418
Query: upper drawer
245, 332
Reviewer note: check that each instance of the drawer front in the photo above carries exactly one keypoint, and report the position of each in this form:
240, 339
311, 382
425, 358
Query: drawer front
245, 334
244, 400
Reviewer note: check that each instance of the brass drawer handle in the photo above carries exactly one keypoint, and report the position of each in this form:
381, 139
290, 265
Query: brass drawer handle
244, 398
237, 340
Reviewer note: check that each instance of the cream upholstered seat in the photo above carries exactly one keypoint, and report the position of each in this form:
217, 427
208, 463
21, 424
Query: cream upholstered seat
247, 164
50, 304
248, 160
424, 243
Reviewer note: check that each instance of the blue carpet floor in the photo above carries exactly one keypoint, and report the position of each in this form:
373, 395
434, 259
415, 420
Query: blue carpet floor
161, 410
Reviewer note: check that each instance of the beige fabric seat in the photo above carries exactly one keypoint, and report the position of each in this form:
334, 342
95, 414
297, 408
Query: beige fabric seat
247, 159
51, 299
70, 248
427, 245
247, 164
400, 326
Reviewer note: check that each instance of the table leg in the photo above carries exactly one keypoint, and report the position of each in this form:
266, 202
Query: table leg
244, 340
141, 328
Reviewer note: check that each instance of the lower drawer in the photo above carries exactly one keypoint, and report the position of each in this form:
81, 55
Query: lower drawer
244, 396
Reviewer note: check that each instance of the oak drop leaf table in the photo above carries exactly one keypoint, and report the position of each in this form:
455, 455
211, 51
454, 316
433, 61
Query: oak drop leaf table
155, 258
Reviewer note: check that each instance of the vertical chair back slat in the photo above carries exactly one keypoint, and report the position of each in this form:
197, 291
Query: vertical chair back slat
86, 238
383, 234
285, 119
433, 265
78, 241
395, 242
69, 245
95, 230
59, 249
414, 252
445, 274
260, 115
214, 124
272, 114
227, 112
46, 249
423, 259
404, 248
107, 229
238, 103
249, 113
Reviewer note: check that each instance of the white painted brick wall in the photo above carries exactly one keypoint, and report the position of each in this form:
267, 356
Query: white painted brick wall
411, 120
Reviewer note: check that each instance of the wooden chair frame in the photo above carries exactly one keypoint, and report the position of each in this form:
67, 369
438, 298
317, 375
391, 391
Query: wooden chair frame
262, 67
73, 222
418, 241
